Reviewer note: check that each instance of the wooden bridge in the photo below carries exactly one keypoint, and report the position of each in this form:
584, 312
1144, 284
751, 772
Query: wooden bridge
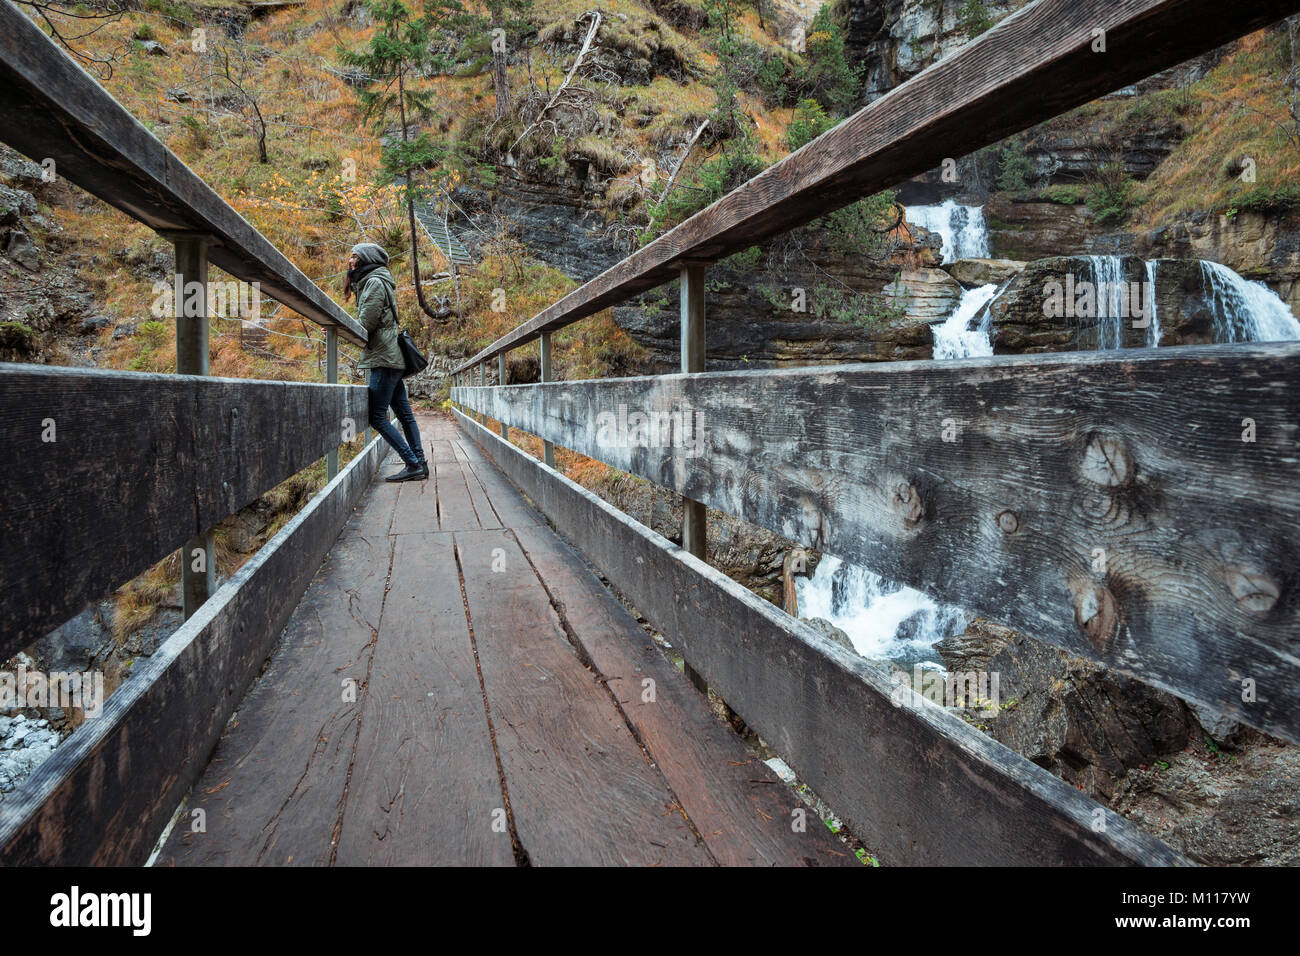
434, 672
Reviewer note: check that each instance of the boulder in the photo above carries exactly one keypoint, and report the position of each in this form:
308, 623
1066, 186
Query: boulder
94, 323
22, 250
977, 272
1079, 720
930, 294
154, 48
832, 633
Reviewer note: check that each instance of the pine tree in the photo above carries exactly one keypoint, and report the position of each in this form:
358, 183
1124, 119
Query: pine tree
407, 45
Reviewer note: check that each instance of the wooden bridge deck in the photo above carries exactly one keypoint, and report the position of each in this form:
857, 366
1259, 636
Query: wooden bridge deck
500, 712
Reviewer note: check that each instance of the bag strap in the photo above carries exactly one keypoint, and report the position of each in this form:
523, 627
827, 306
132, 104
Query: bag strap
392, 305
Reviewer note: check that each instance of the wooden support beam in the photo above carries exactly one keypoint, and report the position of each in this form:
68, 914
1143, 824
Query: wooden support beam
332, 377
184, 452
547, 375
913, 781
1140, 508
1039, 62
694, 523
51, 109
501, 380
190, 308
105, 796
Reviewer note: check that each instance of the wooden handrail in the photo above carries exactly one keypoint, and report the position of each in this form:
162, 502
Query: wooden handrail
50, 108
1044, 492
1001, 83
111, 471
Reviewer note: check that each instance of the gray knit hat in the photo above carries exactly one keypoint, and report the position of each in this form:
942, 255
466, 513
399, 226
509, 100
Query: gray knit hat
368, 253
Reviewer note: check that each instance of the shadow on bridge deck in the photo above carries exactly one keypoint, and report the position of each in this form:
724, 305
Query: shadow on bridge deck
457, 687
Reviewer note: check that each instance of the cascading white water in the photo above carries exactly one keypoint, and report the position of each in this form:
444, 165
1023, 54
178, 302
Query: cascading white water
1106, 273
1153, 330
956, 338
1246, 311
884, 621
962, 228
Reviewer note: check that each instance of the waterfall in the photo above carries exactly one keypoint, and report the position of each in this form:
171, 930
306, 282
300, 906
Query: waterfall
884, 621
1246, 311
1107, 276
955, 338
1153, 330
962, 228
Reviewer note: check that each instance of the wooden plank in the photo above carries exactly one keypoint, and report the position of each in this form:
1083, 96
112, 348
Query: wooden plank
581, 790
273, 793
425, 786
110, 472
1104, 502
106, 794
743, 811
912, 781
51, 108
1034, 65
507, 504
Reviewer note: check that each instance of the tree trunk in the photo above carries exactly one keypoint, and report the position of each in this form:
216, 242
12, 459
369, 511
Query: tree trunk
410, 210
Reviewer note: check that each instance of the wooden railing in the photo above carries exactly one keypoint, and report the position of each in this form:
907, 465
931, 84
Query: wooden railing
1103, 502
109, 472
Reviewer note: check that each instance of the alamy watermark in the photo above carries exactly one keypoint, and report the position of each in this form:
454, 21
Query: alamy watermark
681, 428
1086, 299
25, 688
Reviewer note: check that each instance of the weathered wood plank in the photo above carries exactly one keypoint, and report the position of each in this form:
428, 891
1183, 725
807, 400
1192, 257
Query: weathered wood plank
106, 794
1030, 67
913, 781
112, 471
504, 499
51, 108
1105, 502
581, 790
424, 782
742, 810
273, 792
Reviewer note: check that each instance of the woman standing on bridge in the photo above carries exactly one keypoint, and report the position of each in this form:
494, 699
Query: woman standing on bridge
371, 282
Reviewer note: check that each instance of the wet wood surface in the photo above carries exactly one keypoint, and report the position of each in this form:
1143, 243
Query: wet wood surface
912, 780
495, 717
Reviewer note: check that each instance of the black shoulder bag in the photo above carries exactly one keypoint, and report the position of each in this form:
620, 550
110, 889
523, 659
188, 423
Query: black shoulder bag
412, 358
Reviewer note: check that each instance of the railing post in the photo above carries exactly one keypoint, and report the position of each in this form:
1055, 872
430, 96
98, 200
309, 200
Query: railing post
482, 381
501, 380
198, 560
548, 448
692, 347
332, 376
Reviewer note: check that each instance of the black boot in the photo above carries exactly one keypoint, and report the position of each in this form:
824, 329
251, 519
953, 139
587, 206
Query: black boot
409, 473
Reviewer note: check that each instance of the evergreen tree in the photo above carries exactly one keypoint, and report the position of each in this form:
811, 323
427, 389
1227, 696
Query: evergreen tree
407, 45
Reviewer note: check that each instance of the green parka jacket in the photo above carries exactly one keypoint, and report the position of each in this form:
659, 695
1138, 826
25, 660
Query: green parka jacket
379, 320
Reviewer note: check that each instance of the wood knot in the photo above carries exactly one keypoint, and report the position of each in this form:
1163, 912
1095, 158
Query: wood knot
1252, 591
1106, 461
1097, 615
1008, 522
907, 504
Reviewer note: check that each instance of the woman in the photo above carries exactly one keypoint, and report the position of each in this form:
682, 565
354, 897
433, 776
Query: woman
371, 282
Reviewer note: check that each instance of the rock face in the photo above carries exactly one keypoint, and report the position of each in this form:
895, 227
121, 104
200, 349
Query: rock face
1026, 317
1255, 245
1083, 722
896, 39
1027, 227
930, 294
977, 272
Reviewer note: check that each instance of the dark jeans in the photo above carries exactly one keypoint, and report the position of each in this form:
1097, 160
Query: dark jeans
386, 388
